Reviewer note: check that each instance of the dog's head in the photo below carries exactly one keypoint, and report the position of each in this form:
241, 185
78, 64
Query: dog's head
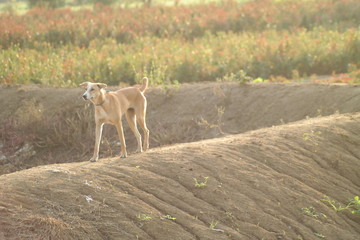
93, 90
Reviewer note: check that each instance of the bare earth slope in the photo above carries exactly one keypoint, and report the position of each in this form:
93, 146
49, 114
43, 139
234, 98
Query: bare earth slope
259, 185
63, 129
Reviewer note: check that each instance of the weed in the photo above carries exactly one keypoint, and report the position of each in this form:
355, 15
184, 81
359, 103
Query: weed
170, 89
168, 217
336, 206
219, 121
200, 184
213, 224
353, 205
240, 77
310, 211
311, 137
229, 215
144, 217
319, 235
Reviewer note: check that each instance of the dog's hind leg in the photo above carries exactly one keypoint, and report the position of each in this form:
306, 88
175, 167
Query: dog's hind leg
120, 131
131, 118
141, 120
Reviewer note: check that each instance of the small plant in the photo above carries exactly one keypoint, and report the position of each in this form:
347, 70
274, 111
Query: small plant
299, 237
310, 211
213, 224
319, 235
311, 136
170, 88
200, 184
168, 217
353, 206
240, 77
336, 206
144, 217
218, 125
46, 3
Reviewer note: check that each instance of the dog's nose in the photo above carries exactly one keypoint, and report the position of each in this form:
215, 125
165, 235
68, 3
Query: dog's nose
84, 96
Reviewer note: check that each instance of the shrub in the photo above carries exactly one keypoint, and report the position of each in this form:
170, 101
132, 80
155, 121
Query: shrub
104, 2
46, 3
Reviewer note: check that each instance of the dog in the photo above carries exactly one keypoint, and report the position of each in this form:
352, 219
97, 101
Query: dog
111, 106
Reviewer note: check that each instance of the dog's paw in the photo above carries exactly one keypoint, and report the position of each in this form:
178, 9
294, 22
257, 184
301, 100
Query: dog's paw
94, 159
146, 147
123, 155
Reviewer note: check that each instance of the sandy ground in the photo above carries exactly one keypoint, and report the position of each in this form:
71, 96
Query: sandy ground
271, 153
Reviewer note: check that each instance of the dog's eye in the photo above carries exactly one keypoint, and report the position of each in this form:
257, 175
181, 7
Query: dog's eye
92, 89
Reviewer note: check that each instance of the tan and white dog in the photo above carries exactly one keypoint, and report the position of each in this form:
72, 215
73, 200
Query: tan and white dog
110, 107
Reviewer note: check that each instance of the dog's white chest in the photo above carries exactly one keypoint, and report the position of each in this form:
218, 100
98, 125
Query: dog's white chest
101, 114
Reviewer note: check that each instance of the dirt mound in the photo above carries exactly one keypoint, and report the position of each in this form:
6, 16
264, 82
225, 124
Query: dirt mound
264, 184
44, 125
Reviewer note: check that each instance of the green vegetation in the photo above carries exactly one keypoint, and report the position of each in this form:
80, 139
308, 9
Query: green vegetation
46, 3
319, 235
200, 184
228, 41
353, 205
144, 217
311, 136
219, 121
310, 211
168, 217
213, 224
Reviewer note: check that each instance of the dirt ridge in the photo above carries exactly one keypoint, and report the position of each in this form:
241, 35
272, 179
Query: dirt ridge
259, 184
64, 128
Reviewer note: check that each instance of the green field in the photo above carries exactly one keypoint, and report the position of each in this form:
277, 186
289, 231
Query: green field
21, 7
262, 40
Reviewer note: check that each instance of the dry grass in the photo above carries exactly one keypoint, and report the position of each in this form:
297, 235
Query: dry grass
163, 134
217, 124
45, 227
29, 114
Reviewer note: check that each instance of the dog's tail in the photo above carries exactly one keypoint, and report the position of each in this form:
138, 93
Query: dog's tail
144, 85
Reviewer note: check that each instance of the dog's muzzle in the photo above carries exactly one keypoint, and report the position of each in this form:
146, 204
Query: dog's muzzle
84, 97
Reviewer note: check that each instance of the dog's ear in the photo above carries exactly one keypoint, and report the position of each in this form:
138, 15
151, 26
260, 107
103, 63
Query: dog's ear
84, 84
101, 85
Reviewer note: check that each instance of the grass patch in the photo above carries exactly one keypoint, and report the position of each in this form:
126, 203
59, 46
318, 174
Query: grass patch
144, 217
199, 184
353, 204
310, 211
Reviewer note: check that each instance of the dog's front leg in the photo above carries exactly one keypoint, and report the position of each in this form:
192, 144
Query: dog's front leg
98, 132
122, 140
